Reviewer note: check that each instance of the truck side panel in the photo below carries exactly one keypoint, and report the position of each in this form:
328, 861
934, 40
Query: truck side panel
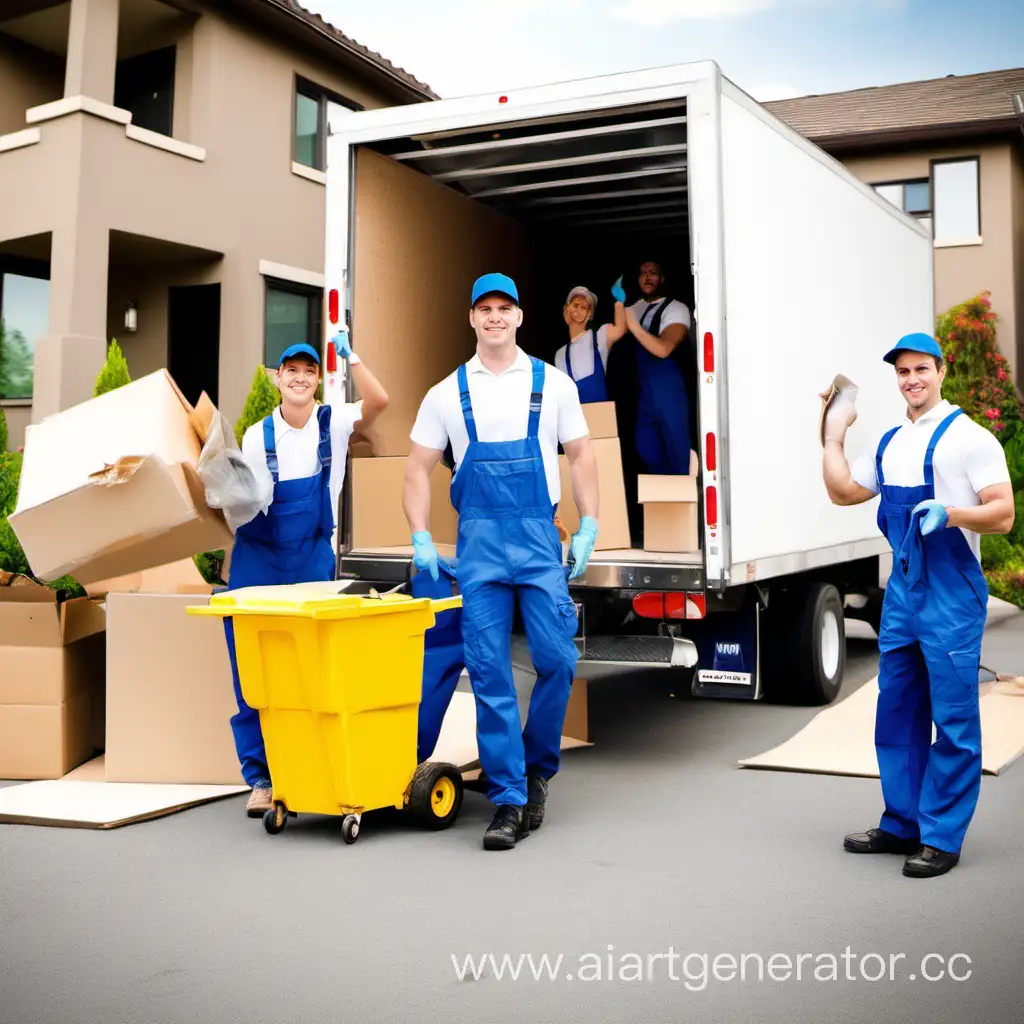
821, 277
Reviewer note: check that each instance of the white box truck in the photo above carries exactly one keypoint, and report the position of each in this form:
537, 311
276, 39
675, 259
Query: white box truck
794, 270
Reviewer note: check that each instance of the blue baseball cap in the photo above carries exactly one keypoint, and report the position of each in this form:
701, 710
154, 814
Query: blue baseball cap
919, 342
299, 350
494, 284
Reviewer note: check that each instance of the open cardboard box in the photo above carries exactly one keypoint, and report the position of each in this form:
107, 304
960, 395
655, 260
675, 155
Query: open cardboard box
109, 487
51, 680
670, 512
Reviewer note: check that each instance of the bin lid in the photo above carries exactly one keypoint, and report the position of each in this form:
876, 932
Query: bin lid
325, 600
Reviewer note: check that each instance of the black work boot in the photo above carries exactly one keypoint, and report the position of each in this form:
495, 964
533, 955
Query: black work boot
930, 862
507, 826
877, 840
536, 797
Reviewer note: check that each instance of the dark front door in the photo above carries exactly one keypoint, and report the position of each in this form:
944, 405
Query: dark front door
193, 339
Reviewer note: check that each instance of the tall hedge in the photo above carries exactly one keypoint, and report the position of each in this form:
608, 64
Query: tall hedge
114, 373
263, 399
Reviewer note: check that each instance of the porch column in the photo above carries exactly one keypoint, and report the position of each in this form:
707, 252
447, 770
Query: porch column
92, 49
68, 359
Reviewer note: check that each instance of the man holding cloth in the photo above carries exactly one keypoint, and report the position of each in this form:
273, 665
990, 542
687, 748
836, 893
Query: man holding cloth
505, 414
943, 481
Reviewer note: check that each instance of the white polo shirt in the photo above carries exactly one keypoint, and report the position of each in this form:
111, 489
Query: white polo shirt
675, 313
501, 408
967, 460
297, 449
582, 354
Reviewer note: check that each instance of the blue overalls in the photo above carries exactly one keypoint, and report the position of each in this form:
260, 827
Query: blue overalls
289, 543
443, 657
936, 600
663, 415
592, 388
508, 549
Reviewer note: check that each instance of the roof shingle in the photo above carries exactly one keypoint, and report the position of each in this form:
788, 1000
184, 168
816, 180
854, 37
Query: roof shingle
956, 102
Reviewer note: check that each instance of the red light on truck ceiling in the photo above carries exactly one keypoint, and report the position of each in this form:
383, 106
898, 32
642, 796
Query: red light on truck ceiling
711, 505
332, 305
672, 605
503, 99
709, 353
710, 455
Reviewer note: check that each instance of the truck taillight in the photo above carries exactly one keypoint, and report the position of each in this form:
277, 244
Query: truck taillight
672, 605
332, 306
711, 507
710, 453
709, 353
332, 358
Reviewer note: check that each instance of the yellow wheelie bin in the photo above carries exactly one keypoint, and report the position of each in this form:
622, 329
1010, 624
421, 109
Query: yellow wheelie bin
337, 679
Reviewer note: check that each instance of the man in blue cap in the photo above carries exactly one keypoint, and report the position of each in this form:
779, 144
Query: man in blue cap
505, 414
943, 482
298, 456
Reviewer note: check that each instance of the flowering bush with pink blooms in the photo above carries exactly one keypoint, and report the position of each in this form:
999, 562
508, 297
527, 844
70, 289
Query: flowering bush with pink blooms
979, 381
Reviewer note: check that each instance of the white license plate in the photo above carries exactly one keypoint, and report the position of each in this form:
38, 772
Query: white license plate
707, 675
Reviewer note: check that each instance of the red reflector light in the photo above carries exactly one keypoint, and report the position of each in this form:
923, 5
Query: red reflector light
649, 605
332, 305
675, 606
711, 505
503, 99
332, 358
709, 353
710, 454
696, 606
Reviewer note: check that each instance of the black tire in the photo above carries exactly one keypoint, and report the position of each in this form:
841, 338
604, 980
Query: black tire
350, 829
275, 820
435, 796
803, 650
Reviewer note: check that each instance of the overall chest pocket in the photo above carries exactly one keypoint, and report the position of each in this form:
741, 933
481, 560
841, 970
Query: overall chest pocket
503, 485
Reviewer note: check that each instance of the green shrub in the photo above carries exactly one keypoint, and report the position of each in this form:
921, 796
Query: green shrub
12, 558
115, 371
211, 565
978, 378
263, 399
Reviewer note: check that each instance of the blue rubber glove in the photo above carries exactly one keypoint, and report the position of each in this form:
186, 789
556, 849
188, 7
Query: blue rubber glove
935, 518
424, 554
582, 546
342, 343
618, 292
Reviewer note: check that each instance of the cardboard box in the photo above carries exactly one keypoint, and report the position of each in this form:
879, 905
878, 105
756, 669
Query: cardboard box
670, 512
612, 518
181, 577
378, 520
169, 693
51, 681
601, 421
109, 487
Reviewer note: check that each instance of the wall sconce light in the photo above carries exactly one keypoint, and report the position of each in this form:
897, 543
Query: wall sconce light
131, 317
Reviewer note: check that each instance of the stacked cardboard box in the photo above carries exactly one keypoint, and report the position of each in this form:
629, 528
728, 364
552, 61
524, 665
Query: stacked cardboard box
613, 517
51, 681
670, 511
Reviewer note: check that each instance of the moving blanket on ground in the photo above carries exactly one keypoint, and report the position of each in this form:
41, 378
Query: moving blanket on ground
841, 739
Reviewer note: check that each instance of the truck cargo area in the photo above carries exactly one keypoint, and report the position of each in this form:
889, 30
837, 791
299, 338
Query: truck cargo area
554, 202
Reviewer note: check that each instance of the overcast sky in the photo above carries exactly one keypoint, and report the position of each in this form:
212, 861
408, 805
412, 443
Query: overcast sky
771, 48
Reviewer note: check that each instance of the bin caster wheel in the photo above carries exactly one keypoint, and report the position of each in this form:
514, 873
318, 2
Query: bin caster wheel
350, 828
275, 819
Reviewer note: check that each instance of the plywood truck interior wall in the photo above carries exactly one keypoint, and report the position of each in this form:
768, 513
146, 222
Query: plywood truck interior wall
432, 213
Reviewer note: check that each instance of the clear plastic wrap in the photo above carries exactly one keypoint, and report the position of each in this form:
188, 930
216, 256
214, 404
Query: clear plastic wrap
230, 484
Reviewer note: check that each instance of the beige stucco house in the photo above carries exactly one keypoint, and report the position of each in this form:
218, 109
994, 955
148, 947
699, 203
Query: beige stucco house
161, 182
951, 152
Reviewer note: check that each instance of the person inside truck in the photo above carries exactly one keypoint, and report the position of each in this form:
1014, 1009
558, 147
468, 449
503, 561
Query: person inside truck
298, 456
505, 414
943, 481
585, 357
659, 326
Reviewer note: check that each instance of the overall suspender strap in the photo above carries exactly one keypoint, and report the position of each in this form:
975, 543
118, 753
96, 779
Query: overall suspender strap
883, 444
467, 405
654, 325
568, 360
323, 451
929, 472
270, 446
597, 350
536, 396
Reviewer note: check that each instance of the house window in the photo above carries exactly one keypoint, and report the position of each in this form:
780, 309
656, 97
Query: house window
957, 213
913, 197
314, 107
24, 316
145, 86
293, 315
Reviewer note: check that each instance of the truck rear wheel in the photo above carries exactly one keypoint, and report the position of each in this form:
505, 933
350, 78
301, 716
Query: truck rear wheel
805, 645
